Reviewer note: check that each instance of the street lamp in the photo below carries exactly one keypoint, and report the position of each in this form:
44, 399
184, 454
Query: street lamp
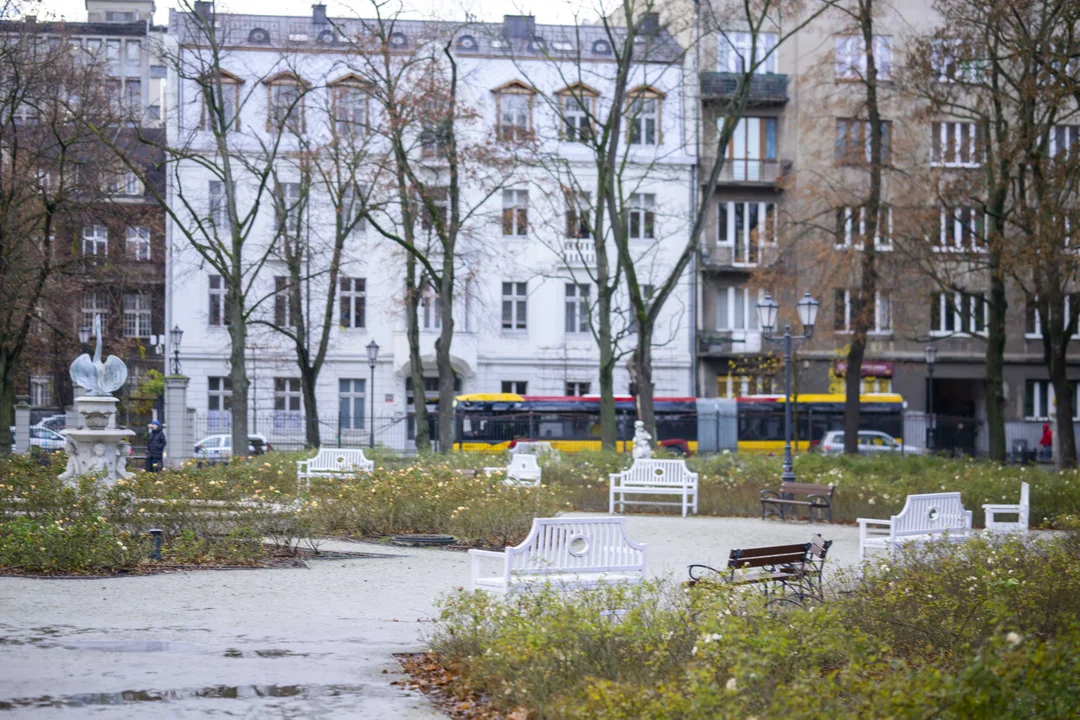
176, 335
84, 337
767, 311
931, 358
372, 358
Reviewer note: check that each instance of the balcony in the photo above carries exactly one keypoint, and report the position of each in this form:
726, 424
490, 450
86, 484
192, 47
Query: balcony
765, 88
738, 258
753, 171
578, 253
725, 342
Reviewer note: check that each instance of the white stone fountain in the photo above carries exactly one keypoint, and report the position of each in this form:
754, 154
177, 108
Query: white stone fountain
99, 446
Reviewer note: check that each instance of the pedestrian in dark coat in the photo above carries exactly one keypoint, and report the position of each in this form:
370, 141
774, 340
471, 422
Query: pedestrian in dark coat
155, 447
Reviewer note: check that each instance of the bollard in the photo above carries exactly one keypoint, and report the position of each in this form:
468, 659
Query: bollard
155, 544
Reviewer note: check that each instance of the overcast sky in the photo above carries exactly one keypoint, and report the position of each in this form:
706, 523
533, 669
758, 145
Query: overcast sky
546, 11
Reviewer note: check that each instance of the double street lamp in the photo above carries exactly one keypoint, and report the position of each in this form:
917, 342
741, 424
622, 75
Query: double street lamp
175, 336
372, 357
767, 311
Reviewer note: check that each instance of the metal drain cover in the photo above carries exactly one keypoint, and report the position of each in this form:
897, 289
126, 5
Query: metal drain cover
417, 540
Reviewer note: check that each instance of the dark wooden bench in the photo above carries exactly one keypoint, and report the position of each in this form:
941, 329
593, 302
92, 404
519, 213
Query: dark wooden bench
818, 497
797, 568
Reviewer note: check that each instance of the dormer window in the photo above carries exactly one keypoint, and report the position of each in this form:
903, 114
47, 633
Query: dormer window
286, 103
399, 41
350, 106
227, 100
466, 42
643, 116
577, 107
514, 103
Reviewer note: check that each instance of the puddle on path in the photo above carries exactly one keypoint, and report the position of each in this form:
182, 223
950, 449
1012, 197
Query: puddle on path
220, 692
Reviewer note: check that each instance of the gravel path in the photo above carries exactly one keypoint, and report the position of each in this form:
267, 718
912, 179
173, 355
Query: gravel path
278, 643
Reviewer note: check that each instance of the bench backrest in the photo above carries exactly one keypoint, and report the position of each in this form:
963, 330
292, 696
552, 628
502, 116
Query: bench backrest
579, 545
931, 513
797, 488
769, 556
656, 472
523, 463
343, 459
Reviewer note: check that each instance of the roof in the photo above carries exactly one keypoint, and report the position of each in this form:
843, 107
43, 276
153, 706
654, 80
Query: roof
132, 29
488, 39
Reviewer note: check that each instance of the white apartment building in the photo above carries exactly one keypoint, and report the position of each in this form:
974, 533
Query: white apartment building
521, 324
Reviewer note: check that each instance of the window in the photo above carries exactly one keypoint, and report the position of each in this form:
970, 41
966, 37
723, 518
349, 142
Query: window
219, 302
441, 200
285, 310
515, 214
732, 386
515, 116
136, 315
350, 109
577, 389
575, 109
95, 241
430, 309
642, 216
514, 305
95, 304
132, 184
960, 228
114, 16
1033, 318
853, 142
851, 228
216, 210
287, 199
228, 101
578, 211
957, 312
286, 104
950, 63
133, 57
352, 209
577, 308
515, 387
1065, 142
736, 308
851, 57
40, 391
435, 138
745, 226
219, 395
1040, 400
138, 243
286, 395
644, 118
353, 296
112, 55
351, 394
752, 149
848, 305
955, 144
738, 50
133, 96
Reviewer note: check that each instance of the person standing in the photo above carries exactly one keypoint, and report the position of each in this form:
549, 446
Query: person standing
1046, 443
155, 447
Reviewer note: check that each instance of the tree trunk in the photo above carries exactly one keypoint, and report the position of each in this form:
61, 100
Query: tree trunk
852, 390
608, 419
7, 403
1066, 440
416, 366
308, 379
238, 374
643, 370
995, 361
442, 356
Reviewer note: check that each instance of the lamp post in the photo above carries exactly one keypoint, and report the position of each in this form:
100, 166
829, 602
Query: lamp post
175, 336
372, 357
84, 337
931, 358
767, 309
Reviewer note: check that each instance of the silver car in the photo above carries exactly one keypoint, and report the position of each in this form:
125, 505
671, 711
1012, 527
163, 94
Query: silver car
43, 438
870, 441
218, 447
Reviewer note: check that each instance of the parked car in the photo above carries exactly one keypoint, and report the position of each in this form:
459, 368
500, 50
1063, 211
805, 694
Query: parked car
43, 438
870, 441
56, 423
217, 447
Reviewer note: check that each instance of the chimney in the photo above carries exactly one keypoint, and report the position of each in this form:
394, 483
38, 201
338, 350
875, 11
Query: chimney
649, 23
318, 14
519, 27
204, 9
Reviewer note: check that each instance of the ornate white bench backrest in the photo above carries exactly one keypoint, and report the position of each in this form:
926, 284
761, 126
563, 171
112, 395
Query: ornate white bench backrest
651, 473
930, 513
339, 459
577, 545
523, 464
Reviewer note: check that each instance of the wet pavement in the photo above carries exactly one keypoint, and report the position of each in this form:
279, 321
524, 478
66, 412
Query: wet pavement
314, 643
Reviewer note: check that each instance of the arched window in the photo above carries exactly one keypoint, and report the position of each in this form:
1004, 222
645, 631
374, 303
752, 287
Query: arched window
227, 100
285, 100
514, 107
644, 116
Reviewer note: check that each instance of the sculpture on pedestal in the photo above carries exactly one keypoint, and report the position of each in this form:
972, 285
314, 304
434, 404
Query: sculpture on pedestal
641, 450
100, 446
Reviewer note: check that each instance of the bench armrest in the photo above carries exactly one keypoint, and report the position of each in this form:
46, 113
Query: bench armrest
873, 521
474, 559
827, 499
770, 495
1001, 508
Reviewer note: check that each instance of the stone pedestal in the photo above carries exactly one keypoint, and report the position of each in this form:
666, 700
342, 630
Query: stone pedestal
22, 425
97, 446
177, 428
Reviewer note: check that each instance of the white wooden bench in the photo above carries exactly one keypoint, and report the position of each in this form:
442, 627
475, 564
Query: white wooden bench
332, 463
925, 517
530, 447
1022, 511
567, 553
523, 470
655, 477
